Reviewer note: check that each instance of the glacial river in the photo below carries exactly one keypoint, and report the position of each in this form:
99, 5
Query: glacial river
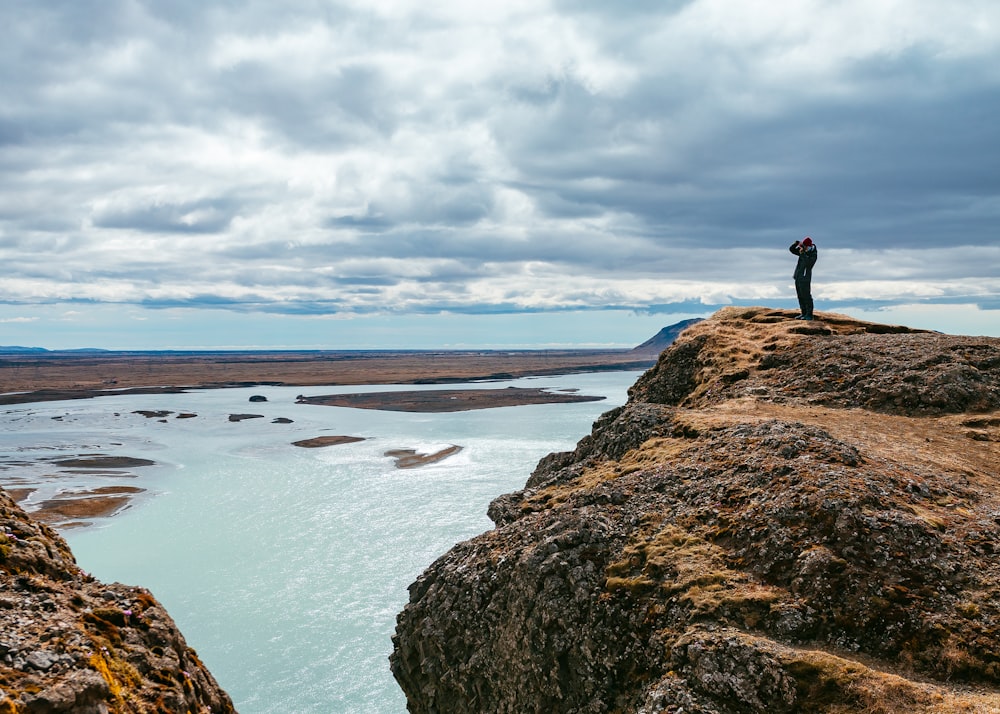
285, 567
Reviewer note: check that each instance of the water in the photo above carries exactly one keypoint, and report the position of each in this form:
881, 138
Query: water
285, 567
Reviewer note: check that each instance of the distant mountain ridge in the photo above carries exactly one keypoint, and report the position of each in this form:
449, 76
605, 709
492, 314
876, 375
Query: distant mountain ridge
17, 349
14, 349
654, 345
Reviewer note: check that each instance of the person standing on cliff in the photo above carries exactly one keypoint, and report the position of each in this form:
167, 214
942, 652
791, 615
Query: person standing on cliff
807, 253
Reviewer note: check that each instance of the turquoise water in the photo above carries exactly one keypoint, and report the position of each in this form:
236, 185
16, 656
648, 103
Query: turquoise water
285, 567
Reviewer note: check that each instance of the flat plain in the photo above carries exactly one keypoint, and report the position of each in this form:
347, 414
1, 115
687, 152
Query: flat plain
47, 376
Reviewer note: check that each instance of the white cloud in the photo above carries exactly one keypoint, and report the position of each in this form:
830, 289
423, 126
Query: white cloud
12, 320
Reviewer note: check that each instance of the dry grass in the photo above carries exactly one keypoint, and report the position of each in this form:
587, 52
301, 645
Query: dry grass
872, 690
738, 338
939, 443
116, 371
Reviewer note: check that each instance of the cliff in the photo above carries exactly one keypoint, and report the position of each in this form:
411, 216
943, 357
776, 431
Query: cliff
784, 517
69, 643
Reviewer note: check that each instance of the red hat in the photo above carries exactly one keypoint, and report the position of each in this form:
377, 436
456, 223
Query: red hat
807, 241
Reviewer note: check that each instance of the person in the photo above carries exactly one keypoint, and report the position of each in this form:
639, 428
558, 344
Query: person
807, 253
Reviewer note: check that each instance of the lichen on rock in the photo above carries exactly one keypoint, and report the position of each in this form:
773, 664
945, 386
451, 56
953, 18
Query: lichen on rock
69, 643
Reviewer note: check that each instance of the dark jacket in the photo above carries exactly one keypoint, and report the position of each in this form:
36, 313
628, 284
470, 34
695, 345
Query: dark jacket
807, 259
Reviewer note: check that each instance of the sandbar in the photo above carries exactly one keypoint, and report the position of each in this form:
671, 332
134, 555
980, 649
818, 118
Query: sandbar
19, 494
447, 400
104, 462
95, 503
319, 441
66, 508
411, 458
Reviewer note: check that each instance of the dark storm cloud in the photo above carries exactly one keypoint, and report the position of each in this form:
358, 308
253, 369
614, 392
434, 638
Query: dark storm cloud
343, 156
847, 166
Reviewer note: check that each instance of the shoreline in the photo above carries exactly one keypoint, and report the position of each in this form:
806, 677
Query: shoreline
60, 376
71, 509
74, 491
28, 380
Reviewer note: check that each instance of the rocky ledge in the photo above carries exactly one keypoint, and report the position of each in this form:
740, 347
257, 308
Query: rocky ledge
69, 643
784, 517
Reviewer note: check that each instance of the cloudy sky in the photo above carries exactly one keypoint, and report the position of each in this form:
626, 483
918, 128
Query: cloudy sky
405, 173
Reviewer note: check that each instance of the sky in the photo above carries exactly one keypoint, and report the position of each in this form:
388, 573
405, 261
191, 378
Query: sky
413, 174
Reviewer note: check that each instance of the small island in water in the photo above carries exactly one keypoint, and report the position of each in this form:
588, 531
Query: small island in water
447, 400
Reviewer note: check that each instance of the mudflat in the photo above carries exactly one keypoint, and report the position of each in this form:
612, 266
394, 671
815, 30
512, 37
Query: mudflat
447, 400
321, 441
68, 508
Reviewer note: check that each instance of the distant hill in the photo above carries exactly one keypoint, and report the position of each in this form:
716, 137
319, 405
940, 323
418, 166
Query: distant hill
665, 337
14, 349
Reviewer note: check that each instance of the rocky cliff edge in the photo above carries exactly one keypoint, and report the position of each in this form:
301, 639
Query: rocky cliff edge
69, 643
785, 517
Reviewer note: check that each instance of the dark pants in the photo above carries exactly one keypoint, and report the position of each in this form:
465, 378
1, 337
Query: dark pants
804, 292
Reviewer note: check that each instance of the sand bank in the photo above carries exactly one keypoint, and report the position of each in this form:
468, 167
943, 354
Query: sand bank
411, 458
320, 441
447, 400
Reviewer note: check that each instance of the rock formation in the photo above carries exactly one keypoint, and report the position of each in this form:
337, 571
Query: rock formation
69, 643
784, 517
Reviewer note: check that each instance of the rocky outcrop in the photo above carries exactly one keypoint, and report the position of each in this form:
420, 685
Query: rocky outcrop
784, 517
69, 643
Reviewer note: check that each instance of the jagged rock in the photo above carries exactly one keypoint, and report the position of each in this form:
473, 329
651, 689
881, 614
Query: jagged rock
73, 644
86, 693
42, 660
784, 517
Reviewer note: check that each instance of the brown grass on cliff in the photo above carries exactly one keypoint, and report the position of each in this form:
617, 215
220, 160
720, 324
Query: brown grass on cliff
835, 361
808, 515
